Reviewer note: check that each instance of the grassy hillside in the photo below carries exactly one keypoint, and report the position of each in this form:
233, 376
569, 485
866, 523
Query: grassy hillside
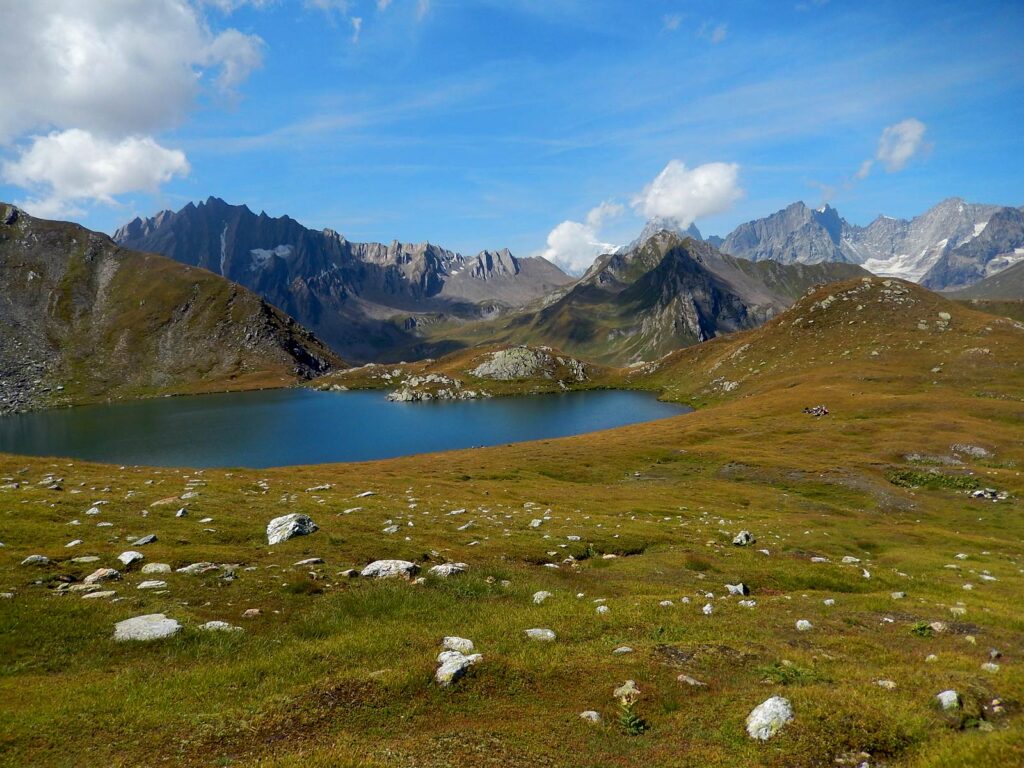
863, 516
92, 321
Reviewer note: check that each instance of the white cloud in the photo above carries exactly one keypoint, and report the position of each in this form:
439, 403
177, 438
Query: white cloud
899, 143
683, 195
382, 5
64, 169
573, 245
112, 67
422, 9
670, 22
865, 169
357, 26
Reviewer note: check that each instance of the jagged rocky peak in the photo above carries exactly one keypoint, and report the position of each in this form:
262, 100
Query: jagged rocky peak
796, 234
660, 224
346, 291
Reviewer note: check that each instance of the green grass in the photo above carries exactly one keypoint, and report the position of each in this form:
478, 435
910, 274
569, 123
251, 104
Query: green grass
338, 672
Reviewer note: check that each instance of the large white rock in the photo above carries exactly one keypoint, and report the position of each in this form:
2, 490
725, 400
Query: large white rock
460, 644
280, 529
453, 665
36, 560
156, 568
102, 574
390, 569
767, 718
153, 626
152, 584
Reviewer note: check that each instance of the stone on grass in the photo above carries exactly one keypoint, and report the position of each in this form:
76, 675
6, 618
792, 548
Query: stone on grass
36, 560
948, 699
153, 584
309, 561
147, 539
888, 685
196, 568
153, 626
539, 633
803, 625
156, 568
622, 649
219, 626
989, 666
129, 557
102, 574
540, 597
445, 570
453, 665
743, 539
603, 609
390, 569
591, 716
460, 644
692, 681
280, 529
767, 718
85, 559
99, 595
738, 589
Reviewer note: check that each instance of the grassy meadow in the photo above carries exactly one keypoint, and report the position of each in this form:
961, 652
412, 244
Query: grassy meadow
338, 671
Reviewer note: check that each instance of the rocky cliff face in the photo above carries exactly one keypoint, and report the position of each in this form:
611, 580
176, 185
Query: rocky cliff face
999, 245
347, 292
796, 234
83, 319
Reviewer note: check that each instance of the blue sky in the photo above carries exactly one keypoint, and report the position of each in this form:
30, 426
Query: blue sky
487, 123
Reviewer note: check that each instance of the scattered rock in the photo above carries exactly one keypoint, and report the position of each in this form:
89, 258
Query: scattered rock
460, 644
280, 529
738, 589
948, 699
767, 718
453, 665
540, 597
803, 625
102, 574
445, 570
744, 539
591, 716
541, 634
129, 557
147, 539
152, 584
390, 569
691, 681
219, 626
36, 560
153, 626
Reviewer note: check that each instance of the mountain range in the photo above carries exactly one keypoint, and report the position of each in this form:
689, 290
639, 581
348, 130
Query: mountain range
84, 319
365, 300
949, 247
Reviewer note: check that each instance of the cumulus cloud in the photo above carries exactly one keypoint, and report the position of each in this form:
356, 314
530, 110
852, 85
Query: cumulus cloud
65, 168
573, 245
683, 195
899, 143
116, 67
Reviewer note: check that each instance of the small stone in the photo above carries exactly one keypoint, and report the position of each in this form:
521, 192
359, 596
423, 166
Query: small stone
460, 644
251, 613
36, 560
197, 568
156, 568
948, 699
219, 626
991, 667
154, 626
390, 569
445, 570
85, 559
898, 595
99, 595
888, 685
708, 609
691, 681
540, 597
803, 625
280, 529
743, 539
767, 718
931, 658
603, 609
183, 512
153, 584
541, 634
147, 539
622, 649
591, 716
453, 665
738, 589
129, 557
102, 574
309, 561
73, 543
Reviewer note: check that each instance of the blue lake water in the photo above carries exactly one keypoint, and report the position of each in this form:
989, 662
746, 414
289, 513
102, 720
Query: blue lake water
300, 426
